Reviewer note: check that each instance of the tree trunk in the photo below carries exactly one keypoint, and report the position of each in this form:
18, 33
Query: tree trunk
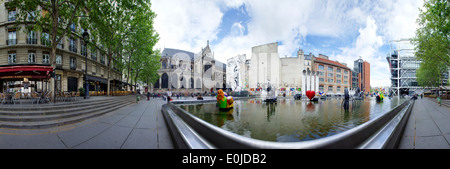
53, 52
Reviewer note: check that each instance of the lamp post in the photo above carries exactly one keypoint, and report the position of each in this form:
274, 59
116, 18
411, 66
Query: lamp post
86, 85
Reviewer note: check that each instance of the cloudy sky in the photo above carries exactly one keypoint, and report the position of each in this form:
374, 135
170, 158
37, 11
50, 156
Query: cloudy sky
344, 30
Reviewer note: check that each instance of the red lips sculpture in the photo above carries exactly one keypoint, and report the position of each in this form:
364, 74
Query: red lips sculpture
310, 94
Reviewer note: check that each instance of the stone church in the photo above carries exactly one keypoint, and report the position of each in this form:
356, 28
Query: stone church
185, 71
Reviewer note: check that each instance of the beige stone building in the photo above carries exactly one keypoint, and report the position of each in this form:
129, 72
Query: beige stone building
25, 59
266, 66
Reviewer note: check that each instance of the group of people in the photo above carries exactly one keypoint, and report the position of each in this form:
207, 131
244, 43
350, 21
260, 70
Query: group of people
169, 95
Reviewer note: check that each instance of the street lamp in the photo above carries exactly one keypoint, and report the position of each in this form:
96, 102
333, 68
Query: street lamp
86, 85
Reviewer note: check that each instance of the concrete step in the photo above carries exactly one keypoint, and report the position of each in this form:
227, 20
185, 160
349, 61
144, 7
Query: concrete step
53, 116
60, 105
61, 121
57, 114
57, 110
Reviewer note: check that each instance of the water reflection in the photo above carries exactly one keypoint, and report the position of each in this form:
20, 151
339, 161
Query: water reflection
291, 120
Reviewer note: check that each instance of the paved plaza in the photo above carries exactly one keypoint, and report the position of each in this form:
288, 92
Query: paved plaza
142, 126
138, 126
428, 126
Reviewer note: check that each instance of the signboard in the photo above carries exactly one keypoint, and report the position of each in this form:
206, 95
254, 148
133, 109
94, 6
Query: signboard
23, 76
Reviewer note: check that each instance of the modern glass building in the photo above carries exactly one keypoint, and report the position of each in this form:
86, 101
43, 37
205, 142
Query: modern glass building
403, 65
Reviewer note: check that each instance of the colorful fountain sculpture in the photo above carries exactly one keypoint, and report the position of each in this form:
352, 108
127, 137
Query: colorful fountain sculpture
224, 101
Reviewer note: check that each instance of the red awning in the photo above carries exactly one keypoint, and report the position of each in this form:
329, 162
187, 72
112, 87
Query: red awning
25, 71
25, 68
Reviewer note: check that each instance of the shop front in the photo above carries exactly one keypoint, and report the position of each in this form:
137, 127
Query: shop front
24, 78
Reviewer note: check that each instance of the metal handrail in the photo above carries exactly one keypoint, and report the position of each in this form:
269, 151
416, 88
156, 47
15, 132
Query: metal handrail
220, 138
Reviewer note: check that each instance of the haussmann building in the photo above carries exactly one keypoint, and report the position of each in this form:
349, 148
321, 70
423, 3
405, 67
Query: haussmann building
25, 60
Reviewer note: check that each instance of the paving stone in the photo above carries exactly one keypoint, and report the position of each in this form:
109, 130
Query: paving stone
111, 138
433, 142
142, 139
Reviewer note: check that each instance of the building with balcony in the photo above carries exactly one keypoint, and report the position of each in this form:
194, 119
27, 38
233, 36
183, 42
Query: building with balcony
25, 59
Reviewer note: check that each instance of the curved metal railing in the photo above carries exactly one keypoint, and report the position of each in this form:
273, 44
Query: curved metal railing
189, 131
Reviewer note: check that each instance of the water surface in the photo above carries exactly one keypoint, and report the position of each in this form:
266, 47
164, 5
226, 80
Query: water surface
291, 120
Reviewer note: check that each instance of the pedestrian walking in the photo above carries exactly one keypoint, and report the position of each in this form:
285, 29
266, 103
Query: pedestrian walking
169, 95
148, 96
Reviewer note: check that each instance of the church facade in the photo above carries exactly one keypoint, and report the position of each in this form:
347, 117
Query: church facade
185, 71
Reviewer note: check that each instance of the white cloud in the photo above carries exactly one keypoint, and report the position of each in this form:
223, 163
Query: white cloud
188, 24
367, 46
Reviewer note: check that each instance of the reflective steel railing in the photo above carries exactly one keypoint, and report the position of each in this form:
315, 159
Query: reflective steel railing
381, 132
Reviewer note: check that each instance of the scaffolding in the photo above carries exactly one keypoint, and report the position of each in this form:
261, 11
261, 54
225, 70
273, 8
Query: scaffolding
403, 65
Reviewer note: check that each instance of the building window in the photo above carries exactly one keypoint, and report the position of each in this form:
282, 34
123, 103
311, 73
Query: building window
60, 44
338, 76
330, 74
320, 88
58, 83
338, 81
345, 82
11, 58
11, 38
45, 59
346, 72
330, 80
84, 49
321, 74
72, 27
12, 14
73, 63
94, 54
102, 58
58, 59
345, 77
338, 70
73, 45
31, 16
321, 79
164, 64
45, 39
321, 67
330, 69
330, 88
339, 89
31, 57
31, 39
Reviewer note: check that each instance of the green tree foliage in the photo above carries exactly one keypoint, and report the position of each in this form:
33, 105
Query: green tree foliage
139, 56
430, 74
432, 41
124, 28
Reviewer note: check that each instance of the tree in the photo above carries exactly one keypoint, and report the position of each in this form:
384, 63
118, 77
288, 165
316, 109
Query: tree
139, 41
430, 74
53, 16
109, 22
432, 39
